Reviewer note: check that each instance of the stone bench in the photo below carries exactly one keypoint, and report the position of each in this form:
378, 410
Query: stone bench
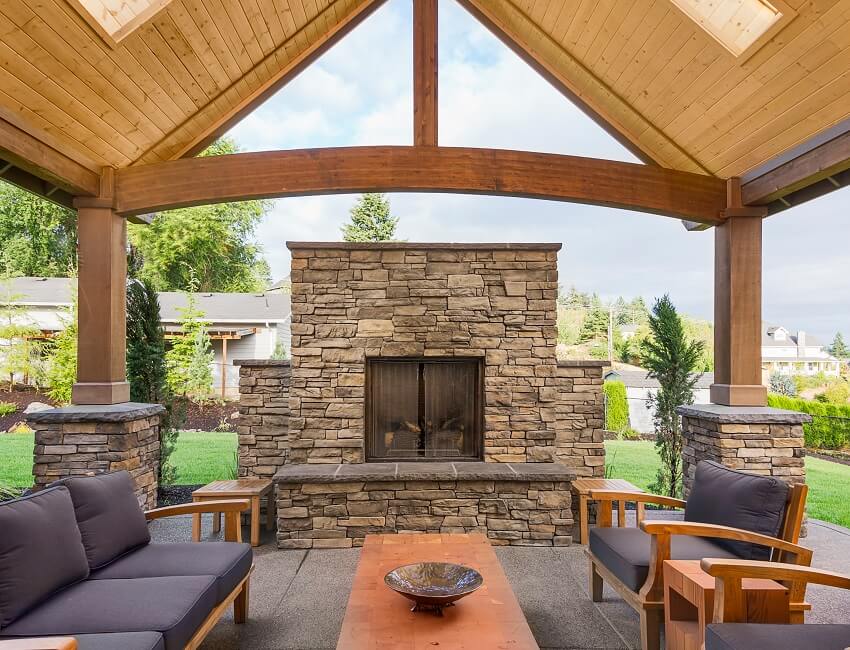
336, 506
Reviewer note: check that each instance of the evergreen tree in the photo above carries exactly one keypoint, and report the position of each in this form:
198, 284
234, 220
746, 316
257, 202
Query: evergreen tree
595, 325
19, 347
839, 348
370, 220
189, 358
61, 370
671, 358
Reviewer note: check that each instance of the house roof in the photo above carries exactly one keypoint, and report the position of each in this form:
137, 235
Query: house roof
222, 308
641, 379
161, 85
768, 339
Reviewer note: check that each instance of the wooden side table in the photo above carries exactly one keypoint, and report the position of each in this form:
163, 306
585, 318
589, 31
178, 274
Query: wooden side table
250, 488
584, 486
689, 603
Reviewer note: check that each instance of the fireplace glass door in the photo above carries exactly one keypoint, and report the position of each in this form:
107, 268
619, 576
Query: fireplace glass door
423, 410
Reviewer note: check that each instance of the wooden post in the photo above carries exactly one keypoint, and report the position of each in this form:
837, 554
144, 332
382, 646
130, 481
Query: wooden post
425, 73
102, 298
737, 304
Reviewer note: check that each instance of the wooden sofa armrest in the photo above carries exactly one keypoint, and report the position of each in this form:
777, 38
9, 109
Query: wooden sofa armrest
230, 507
729, 603
39, 643
662, 531
635, 497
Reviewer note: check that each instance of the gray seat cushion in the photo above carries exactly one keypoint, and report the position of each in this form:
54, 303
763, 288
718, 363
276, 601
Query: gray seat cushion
118, 640
749, 636
731, 498
40, 550
625, 552
108, 514
174, 607
227, 561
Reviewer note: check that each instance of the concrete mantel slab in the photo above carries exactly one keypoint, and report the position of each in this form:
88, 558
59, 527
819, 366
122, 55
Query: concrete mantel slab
743, 414
438, 471
270, 363
583, 363
404, 245
126, 412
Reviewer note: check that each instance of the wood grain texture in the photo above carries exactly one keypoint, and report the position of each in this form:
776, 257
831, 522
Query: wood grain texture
425, 73
646, 188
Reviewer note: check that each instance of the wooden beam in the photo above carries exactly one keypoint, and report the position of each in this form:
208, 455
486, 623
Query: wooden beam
821, 162
425, 77
345, 170
35, 185
737, 304
33, 156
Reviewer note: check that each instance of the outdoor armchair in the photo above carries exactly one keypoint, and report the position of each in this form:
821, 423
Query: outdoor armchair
730, 630
729, 514
78, 562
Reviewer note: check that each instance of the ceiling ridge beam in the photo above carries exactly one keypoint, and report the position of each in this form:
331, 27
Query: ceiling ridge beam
334, 170
569, 88
160, 150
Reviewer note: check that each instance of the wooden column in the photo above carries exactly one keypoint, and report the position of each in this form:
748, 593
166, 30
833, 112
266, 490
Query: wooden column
737, 304
425, 73
102, 300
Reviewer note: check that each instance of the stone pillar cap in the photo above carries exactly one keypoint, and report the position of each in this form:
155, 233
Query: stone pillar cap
743, 414
126, 412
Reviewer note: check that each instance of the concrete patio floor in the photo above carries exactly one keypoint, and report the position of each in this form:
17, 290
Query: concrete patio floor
298, 598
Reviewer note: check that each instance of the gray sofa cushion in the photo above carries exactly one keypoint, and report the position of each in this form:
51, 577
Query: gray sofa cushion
118, 641
227, 561
40, 550
108, 514
749, 636
731, 498
175, 607
625, 552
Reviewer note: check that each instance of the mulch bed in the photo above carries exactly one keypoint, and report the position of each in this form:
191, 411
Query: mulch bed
22, 396
832, 455
172, 495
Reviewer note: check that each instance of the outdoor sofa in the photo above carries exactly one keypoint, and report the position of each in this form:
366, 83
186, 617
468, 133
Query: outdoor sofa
76, 560
730, 631
729, 514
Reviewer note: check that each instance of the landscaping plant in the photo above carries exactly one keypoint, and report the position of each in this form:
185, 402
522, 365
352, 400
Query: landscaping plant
370, 220
188, 360
672, 359
616, 406
61, 367
20, 349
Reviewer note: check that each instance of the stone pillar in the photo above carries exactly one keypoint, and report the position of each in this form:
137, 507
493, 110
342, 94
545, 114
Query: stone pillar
580, 417
760, 440
263, 424
84, 440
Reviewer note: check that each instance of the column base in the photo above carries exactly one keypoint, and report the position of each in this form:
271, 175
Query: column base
116, 392
738, 395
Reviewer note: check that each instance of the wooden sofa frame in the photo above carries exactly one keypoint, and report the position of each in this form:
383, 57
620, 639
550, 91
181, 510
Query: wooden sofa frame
729, 602
232, 509
649, 600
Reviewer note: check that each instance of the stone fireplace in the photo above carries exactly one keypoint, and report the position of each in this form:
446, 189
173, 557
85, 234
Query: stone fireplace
424, 394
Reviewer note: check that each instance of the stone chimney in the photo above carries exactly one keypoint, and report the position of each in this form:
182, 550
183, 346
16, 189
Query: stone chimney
801, 343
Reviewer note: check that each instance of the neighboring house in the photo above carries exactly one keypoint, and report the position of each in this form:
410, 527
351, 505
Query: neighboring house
789, 354
628, 330
241, 325
281, 286
639, 388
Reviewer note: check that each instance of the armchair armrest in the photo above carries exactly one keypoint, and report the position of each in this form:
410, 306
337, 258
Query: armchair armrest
729, 604
230, 507
45, 643
636, 497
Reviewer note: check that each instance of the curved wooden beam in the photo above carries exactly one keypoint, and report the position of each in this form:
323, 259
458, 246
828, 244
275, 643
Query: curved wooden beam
196, 181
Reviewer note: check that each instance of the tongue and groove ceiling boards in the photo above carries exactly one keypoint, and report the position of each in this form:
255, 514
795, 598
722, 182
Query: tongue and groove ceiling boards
722, 92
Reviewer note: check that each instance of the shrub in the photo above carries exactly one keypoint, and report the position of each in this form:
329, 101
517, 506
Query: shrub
830, 425
7, 408
616, 406
783, 385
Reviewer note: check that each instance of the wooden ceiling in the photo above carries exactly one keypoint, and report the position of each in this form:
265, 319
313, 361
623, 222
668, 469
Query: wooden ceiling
643, 67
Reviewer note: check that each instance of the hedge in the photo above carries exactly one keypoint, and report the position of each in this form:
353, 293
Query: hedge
830, 425
616, 406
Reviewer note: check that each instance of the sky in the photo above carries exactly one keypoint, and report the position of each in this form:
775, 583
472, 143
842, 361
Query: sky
361, 93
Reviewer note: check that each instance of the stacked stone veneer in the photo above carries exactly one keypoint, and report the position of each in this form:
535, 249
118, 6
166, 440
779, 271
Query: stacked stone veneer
760, 440
85, 440
580, 417
263, 423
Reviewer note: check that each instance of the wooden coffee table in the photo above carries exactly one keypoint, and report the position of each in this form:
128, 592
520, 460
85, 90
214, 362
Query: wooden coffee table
377, 617
242, 488
689, 603
584, 486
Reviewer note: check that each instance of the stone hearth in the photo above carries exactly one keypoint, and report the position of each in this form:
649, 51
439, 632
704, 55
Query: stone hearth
356, 303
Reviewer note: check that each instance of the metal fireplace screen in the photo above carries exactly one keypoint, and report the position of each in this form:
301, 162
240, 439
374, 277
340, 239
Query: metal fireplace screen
425, 409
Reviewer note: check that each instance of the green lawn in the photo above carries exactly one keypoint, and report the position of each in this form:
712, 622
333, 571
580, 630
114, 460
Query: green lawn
200, 457
829, 483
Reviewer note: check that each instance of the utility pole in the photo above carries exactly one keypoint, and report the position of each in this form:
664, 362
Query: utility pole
610, 333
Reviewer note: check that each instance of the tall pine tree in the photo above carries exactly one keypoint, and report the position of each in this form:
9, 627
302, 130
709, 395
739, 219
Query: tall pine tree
839, 348
370, 220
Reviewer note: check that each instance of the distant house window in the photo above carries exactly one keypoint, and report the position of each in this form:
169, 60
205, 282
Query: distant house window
741, 26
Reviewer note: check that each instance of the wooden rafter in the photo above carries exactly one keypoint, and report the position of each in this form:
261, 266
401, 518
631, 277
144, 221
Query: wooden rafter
647, 188
425, 80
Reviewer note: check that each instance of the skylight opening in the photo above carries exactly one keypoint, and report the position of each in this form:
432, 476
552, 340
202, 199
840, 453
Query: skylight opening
741, 26
114, 20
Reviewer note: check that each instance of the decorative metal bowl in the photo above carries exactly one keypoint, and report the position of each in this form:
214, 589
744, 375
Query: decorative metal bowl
433, 585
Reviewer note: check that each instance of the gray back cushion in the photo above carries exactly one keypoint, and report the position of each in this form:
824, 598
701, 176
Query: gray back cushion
40, 550
108, 514
740, 500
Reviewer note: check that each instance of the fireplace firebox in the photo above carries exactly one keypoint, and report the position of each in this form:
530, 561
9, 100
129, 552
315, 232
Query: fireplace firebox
423, 409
